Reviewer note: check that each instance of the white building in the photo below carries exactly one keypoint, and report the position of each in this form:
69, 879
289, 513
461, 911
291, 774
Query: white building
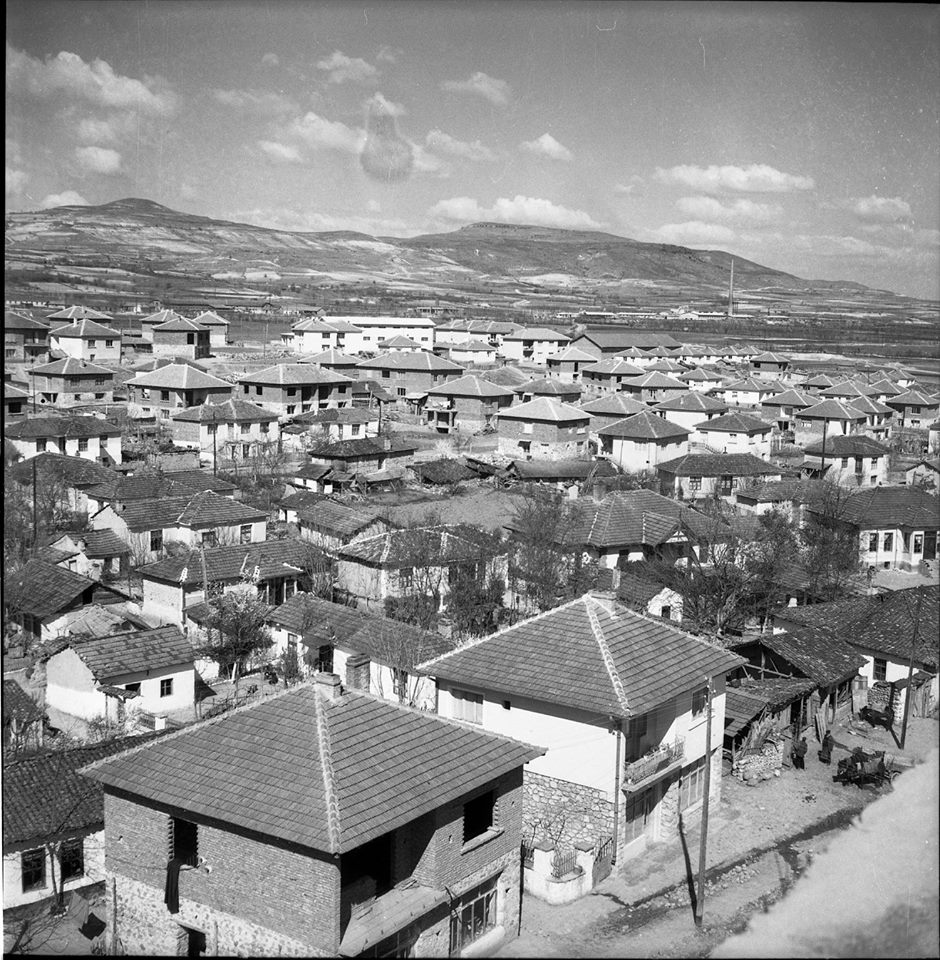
86, 340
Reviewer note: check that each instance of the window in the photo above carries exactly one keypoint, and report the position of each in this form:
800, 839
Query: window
699, 700
666, 612
258, 391
845, 462
165, 395
156, 541
859, 462
245, 388
82, 443
246, 450
40, 446
695, 483
692, 784
479, 816
636, 813
889, 541
132, 687
92, 343
468, 706
166, 687
474, 914
190, 339
209, 539
527, 428
355, 429
406, 577
918, 543
264, 427
292, 408
184, 841
244, 533
71, 860
292, 391
109, 343
402, 391
880, 669
873, 543
33, 869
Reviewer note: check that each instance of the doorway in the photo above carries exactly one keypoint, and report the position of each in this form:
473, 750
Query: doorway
930, 544
192, 942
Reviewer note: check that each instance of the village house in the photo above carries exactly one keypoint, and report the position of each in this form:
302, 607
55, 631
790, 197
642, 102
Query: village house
542, 429
569, 364
333, 359
701, 379
689, 408
854, 460
735, 432
699, 476
337, 463
883, 389
642, 441
181, 338
409, 375
75, 475
217, 326
121, 491
783, 409
608, 375
748, 392
611, 341
339, 423
625, 731
554, 389
416, 857
331, 525
291, 388
472, 353
231, 430
848, 390
119, 675
467, 403
314, 334
15, 401
172, 389
398, 343
153, 320
653, 387
86, 340
366, 333
924, 473
830, 417
25, 340
913, 409
64, 383
74, 436
22, 721
533, 345
96, 554
639, 586
815, 383
636, 356
879, 417
610, 409
770, 366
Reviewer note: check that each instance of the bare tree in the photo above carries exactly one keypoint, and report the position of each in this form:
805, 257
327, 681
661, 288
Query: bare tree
830, 546
237, 630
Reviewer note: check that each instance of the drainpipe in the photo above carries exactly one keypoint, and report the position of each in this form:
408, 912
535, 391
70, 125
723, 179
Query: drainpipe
617, 772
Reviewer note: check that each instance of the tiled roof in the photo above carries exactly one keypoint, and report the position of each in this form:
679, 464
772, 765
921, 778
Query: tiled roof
43, 588
832, 410
19, 705
274, 558
848, 388
445, 470
211, 319
289, 374
18, 321
505, 376
887, 387
790, 398
614, 367
644, 426
735, 422
331, 358
549, 387
110, 655
85, 330
302, 498
360, 447
607, 338
699, 374
588, 654
342, 771
12, 393
179, 376
44, 796
337, 415
371, 388
616, 404
79, 313
472, 346
818, 380
562, 469
161, 316
910, 398
420, 360
153, 486
744, 703
65, 426
851, 445
692, 401
75, 471
469, 386
772, 358
667, 366
400, 340
180, 324
631, 353
749, 384
870, 405
821, 657
639, 583
779, 491
71, 366
537, 333
717, 465
199, 511
98, 543
332, 517
655, 380
445, 544
97, 619
233, 410
879, 507
571, 355
544, 409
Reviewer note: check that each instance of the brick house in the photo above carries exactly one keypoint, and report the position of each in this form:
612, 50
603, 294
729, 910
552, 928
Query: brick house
618, 699
290, 388
232, 430
181, 338
701, 379
217, 326
691, 408
783, 409
467, 403
569, 364
653, 387
173, 388
419, 856
770, 366
913, 409
409, 375
735, 432
879, 417
333, 359
153, 320
472, 353
609, 374
331, 525
66, 382
543, 429
749, 392
610, 409
15, 401
607, 342
339, 423
25, 340
533, 344
834, 417
553, 389
86, 340
87, 437
855, 460
642, 441
699, 476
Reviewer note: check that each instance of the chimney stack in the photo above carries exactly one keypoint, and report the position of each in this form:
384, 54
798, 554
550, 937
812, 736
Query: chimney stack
358, 672
328, 685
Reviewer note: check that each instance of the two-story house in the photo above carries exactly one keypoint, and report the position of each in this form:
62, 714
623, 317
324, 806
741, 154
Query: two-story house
25, 340
533, 345
770, 366
913, 409
291, 388
87, 437
569, 363
783, 409
231, 430
690, 408
701, 379
410, 374
854, 460
86, 340
181, 338
654, 386
832, 417
608, 375
153, 320
466, 403
362, 854
63, 383
173, 388
609, 409
642, 441
748, 392
611, 341
333, 359
735, 432
542, 429
697, 476
217, 326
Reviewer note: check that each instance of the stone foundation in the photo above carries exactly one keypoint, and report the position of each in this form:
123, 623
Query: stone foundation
587, 813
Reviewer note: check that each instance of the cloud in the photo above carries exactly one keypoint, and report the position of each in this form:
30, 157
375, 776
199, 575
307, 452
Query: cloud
260, 101
281, 152
302, 221
445, 143
341, 68
111, 130
693, 233
547, 146
519, 209
631, 187
318, 133
756, 178
67, 75
68, 198
427, 162
271, 60
389, 54
880, 209
378, 104
481, 85
15, 181
99, 159
737, 211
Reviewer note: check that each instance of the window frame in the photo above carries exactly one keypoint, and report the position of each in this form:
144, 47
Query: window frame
179, 834
467, 706
38, 867
879, 666
483, 902
699, 703
166, 687
74, 850
156, 540
692, 784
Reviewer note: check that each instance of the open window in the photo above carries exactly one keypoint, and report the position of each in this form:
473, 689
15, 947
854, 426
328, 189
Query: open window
184, 841
479, 816
71, 860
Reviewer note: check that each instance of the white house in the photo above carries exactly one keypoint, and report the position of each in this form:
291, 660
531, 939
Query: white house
691, 408
533, 344
641, 441
747, 392
855, 460
735, 433
218, 327
90, 438
231, 430
86, 340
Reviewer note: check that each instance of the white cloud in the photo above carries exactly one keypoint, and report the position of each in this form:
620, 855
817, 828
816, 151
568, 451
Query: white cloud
547, 146
389, 54
427, 162
530, 210
99, 159
68, 198
261, 101
318, 133
756, 178
303, 221
693, 233
481, 85
631, 187
880, 209
341, 68
373, 206
737, 211
110, 130
282, 152
15, 181
379, 105
445, 143
67, 75
271, 59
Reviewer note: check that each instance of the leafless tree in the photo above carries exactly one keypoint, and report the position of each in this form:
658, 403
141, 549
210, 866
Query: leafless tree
830, 545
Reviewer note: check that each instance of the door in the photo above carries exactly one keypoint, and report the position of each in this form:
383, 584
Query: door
930, 545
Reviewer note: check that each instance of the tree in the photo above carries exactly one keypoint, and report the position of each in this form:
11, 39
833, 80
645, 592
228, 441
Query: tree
830, 546
237, 630
399, 647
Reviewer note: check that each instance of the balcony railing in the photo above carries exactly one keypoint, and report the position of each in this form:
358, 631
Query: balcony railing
656, 762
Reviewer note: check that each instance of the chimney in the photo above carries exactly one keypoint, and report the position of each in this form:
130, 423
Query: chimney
386, 443
358, 671
328, 685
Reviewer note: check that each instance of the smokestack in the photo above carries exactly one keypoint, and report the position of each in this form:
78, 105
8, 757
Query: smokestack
358, 672
328, 685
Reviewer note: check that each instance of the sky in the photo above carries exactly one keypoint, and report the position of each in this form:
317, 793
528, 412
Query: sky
805, 137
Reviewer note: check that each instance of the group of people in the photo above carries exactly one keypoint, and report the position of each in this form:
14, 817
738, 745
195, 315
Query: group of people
799, 749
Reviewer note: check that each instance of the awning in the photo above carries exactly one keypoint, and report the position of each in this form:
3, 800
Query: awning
372, 922
119, 692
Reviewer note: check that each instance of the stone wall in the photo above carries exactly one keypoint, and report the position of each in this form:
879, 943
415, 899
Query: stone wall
754, 767
588, 814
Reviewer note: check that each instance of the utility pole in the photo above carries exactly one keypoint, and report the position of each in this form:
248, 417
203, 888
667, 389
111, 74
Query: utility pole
215, 459
700, 895
35, 513
910, 671
822, 456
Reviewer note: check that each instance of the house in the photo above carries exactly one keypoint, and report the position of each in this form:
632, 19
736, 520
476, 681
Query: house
472, 353
86, 340
446, 472
276, 568
569, 363
913, 409
349, 458
652, 387
206, 519
75, 474
620, 702
609, 341
314, 334
333, 359
361, 855
687, 409
375, 654
879, 417
364, 334
53, 823
897, 526
15, 401
181, 338
117, 675
97, 554
697, 476
25, 340
830, 417
291, 388
848, 390
748, 392
701, 379
735, 432
608, 375
610, 409
331, 525
783, 409
885, 388
152, 486
217, 326
466, 403
640, 587
853, 460
642, 441
154, 320
22, 721
817, 382
533, 345
554, 389
933, 434
569, 476
542, 429
172, 389
64, 383
229, 430
426, 560
410, 374
769, 366
925, 473
338, 423
75, 436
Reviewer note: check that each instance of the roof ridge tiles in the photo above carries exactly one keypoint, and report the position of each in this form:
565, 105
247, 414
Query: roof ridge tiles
589, 604
334, 823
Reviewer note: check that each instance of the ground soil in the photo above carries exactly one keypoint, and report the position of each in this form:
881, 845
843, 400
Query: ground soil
760, 841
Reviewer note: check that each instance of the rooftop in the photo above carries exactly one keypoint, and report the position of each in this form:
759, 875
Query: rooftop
645, 426
179, 376
544, 409
735, 422
718, 465
438, 545
288, 374
232, 410
114, 654
272, 558
70, 366
53, 427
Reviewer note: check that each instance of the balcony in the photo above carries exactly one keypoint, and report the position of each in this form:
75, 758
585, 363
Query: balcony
665, 758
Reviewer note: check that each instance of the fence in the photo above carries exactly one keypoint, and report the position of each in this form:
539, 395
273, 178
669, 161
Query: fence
564, 863
528, 854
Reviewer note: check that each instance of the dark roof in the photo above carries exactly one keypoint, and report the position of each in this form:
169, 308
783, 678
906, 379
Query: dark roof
44, 796
823, 658
86, 330
153, 485
18, 704
98, 543
43, 588
229, 411
75, 471
735, 422
360, 447
282, 374
548, 387
300, 499
333, 517
639, 583
39, 427
644, 426
336, 415
619, 405
832, 410
561, 469
419, 360
206, 509
344, 771
443, 471
111, 655
876, 507
444, 544
623, 339
744, 703
852, 445
717, 465
274, 558
71, 366
692, 401
179, 375
469, 386
544, 409
589, 654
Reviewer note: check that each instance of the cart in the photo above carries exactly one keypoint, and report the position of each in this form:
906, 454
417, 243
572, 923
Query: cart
865, 768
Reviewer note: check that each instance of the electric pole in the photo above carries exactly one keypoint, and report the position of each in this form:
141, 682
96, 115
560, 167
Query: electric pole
910, 671
700, 895
35, 513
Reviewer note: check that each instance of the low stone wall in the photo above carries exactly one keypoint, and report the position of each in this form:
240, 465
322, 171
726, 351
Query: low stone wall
754, 767
538, 879
587, 813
